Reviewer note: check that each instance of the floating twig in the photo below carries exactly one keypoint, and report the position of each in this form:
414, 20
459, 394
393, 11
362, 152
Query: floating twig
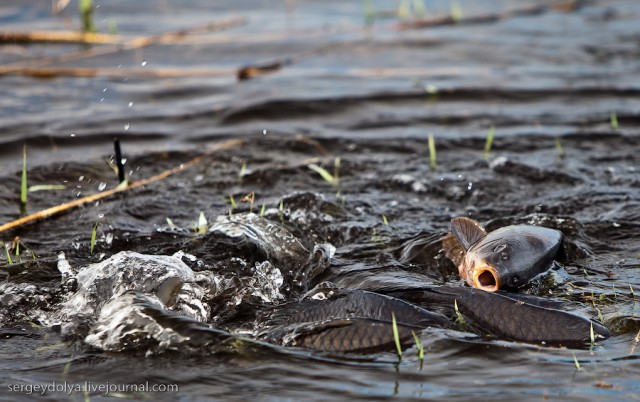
131, 44
94, 197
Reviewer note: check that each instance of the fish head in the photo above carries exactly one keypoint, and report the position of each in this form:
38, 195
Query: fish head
506, 258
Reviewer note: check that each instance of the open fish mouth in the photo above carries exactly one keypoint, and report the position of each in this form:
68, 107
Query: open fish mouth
486, 278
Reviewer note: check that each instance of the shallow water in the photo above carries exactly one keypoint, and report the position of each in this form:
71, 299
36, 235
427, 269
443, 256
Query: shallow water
369, 95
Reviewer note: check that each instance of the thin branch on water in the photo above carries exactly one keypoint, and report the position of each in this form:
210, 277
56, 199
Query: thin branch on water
89, 38
91, 198
132, 44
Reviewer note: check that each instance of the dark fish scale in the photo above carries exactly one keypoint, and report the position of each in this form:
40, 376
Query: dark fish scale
517, 320
359, 335
349, 320
525, 319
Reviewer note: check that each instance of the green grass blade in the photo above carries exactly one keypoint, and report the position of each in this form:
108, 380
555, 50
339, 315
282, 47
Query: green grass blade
575, 361
6, 250
459, 317
46, 187
419, 346
93, 238
23, 192
396, 335
456, 11
202, 225
324, 173
613, 120
419, 8
432, 152
385, 220
404, 10
489, 142
264, 206
559, 150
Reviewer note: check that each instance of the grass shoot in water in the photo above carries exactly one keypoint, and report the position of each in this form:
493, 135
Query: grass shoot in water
23, 187
8, 254
92, 243
432, 152
202, 225
559, 150
384, 220
332, 179
404, 10
243, 170
460, 321
419, 346
46, 187
575, 361
419, 8
489, 142
592, 336
86, 15
613, 120
263, 208
456, 11
170, 223
233, 202
396, 335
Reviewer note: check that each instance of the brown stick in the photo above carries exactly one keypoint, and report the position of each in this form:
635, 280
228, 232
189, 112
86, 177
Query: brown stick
118, 47
59, 37
53, 72
91, 198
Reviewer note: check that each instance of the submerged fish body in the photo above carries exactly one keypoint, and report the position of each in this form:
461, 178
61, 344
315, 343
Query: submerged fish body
506, 258
511, 316
347, 320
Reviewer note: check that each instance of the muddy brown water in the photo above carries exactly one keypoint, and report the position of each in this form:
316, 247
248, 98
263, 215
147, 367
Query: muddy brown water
549, 83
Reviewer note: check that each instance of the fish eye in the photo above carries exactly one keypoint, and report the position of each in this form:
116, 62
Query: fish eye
499, 248
504, 255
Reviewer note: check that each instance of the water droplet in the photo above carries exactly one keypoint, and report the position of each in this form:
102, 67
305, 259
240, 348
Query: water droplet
126, 126
102, 186
101, 99
123, 161
73, 134
104, 90
264, 132
470, 186
144, 63
80, 178
100, 216
130, 104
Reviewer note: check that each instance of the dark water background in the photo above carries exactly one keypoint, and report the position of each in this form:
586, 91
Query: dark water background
369, 95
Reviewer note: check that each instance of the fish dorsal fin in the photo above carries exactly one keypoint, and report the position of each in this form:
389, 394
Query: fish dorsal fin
467, 231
